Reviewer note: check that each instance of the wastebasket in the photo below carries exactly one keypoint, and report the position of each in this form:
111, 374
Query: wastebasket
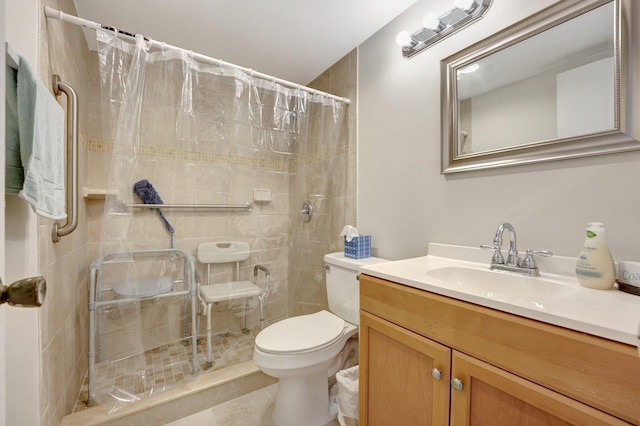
348, 396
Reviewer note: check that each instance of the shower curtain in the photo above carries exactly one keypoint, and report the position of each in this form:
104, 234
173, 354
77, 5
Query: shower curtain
189, 132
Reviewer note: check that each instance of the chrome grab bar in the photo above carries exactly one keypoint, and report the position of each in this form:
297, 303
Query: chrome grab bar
71, 163
246, 206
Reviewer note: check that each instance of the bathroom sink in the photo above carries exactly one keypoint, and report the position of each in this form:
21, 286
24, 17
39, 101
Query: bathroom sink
498, 284
556, 297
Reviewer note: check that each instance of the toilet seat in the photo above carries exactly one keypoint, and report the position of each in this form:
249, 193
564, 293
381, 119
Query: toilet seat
301, 334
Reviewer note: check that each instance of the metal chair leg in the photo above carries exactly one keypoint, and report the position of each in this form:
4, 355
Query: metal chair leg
261, 299
245, 330
209, 362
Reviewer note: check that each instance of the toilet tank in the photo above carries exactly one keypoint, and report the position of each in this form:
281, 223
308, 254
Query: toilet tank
343, 287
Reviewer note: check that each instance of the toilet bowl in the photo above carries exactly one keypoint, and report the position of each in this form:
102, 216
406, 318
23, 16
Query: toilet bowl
304, 351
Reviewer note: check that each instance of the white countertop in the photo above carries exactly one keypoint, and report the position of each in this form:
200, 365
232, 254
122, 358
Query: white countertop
611, 314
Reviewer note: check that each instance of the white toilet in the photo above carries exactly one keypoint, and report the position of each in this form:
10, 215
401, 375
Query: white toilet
304, 351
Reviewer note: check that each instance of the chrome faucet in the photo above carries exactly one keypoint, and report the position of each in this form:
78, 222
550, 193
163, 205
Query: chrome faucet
513, 263
512, 257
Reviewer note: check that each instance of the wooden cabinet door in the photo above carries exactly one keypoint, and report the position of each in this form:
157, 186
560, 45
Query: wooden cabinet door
493, 397
397, 386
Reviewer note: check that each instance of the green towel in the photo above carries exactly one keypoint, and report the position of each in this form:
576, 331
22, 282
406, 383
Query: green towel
42, 145
14, 172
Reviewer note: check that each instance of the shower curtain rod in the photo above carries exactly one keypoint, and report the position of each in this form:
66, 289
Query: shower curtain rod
75, 20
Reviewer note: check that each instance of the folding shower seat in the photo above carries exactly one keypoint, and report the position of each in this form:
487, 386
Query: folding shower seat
228, 252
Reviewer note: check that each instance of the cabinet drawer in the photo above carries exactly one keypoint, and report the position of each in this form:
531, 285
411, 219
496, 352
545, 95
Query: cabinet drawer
601, 373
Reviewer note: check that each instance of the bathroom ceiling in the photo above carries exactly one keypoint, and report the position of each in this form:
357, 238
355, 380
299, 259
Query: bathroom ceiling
295, 40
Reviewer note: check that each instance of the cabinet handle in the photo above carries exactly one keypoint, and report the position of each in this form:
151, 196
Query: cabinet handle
435, 373
456, 384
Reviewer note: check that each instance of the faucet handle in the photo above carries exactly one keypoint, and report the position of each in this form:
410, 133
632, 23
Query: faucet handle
497, 258
529, 262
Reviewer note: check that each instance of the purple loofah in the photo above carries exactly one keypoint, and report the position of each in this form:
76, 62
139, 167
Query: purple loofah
148, 195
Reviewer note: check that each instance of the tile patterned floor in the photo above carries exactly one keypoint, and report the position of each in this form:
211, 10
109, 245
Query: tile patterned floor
159, 369
252, 409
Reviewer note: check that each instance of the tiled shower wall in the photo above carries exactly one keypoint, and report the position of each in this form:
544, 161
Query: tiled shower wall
63, 317
269, 228
228, 177
331, 188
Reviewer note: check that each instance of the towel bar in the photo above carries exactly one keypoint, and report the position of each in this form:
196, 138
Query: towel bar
71, 163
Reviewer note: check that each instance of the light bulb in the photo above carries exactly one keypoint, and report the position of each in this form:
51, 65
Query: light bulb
404, 39
466, 5
431, 22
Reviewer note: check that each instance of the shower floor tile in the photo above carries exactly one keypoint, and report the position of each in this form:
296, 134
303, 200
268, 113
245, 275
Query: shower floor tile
144, 375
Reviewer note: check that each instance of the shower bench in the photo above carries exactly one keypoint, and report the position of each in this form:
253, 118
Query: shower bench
128, 278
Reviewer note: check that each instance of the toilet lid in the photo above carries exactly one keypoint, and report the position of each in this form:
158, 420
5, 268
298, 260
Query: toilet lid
300, 333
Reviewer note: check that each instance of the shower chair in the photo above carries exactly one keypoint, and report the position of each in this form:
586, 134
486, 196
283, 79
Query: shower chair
209, 294
110, 286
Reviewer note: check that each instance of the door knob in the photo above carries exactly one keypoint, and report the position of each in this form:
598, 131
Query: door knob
24, 293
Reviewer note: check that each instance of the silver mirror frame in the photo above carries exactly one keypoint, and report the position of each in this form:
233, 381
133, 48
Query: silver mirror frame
622, 138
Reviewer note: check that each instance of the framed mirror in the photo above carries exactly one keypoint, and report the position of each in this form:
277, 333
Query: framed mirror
550, 87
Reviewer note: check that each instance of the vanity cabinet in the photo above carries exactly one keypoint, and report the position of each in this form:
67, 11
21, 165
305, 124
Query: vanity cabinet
399, 367
427, 359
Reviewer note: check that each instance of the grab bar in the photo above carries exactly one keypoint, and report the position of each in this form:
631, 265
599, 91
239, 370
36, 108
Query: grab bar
71, 163
246, 206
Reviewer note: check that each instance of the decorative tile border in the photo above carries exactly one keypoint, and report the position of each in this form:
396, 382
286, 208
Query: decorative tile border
93, 145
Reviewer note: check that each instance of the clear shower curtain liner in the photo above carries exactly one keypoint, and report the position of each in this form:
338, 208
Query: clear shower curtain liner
182, 132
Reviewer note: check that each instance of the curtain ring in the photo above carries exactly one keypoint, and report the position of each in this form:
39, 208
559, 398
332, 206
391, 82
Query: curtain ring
163, 48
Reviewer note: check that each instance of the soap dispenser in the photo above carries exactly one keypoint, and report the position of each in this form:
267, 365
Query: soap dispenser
595, 267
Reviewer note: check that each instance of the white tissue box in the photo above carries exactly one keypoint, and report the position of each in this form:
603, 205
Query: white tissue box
629, 273
358, 248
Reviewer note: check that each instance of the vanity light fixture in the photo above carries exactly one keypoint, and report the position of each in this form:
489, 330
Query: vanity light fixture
436, 28
432, 22
466, 5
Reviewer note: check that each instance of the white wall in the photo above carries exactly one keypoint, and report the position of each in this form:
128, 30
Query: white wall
21, 251
404, 201
3, 338
592, 109
525, 110
21, 222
